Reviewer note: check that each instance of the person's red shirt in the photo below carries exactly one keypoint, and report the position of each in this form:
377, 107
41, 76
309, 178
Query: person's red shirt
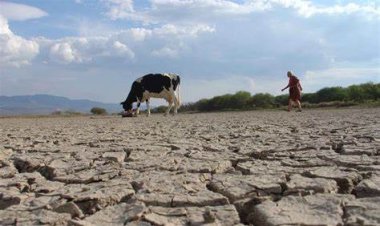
293, 81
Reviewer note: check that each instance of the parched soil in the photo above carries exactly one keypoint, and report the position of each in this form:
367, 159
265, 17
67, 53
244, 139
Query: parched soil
317, 167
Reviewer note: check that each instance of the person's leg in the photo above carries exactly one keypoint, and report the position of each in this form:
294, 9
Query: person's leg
290, 105
299, 105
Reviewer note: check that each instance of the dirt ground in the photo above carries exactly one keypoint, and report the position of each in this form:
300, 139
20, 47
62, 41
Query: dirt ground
317, 167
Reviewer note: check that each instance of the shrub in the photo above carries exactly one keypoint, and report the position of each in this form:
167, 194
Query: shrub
332, 94
98, 111
66, 113
159, 109
338, 96
263, 100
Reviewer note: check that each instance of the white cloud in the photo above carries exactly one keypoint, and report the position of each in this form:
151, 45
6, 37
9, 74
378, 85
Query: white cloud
171, 30
166, 41
340, 76
4, 27
64, 52
140, 34
268, 84
189, 11
14, 11
161, 11
15, 50
211, 6
123, 9
84, 50
235, 44
165, 52
307, 8
195, 89
122, 49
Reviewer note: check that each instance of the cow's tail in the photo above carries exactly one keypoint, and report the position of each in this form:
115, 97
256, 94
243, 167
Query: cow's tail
178, 97
178, 92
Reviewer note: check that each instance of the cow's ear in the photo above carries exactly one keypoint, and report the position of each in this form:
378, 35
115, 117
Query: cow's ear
121, 103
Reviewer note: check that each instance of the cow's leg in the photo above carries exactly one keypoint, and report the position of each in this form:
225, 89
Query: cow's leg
175, 103
138, 108
147, 108
169, 107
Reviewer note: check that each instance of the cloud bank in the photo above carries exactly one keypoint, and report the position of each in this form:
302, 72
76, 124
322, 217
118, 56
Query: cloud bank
247, 44
20, 12
15, 50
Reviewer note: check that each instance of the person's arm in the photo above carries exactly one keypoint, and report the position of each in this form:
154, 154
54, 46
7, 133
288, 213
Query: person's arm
285, 88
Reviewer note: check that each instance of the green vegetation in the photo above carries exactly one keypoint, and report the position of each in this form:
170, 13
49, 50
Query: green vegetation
368, 93
66, 113
159, 109
98, 111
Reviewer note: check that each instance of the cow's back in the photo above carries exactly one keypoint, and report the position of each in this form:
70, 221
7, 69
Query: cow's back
155, 83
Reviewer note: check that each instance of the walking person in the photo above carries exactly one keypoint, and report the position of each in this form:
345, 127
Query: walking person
295, 89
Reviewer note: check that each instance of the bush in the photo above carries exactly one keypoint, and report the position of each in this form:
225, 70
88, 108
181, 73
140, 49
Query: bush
263, 100
281, 100
332, 94
338, 96
159, 109
309, 97
367, 91
66, 113
98, 111
240, 100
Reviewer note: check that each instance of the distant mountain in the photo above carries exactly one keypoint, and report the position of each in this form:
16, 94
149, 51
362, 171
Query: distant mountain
47, 104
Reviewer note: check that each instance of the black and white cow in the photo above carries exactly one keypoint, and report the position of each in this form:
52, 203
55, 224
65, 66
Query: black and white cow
157, 86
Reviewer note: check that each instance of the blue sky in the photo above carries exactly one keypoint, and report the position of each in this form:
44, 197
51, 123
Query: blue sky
94, 49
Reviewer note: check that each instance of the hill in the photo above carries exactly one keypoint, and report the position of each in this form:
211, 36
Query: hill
46, 104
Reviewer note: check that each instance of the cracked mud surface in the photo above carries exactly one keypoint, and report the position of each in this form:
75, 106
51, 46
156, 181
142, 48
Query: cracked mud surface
318, 167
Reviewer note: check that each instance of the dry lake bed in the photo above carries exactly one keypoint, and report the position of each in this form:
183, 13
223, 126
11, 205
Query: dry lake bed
317, 167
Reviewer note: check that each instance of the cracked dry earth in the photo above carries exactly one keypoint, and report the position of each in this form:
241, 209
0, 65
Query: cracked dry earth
318, 167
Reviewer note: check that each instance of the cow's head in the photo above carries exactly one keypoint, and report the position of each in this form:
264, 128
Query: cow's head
127, 106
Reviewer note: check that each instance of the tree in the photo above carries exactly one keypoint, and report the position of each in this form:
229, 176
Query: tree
98, 111
243, 100
309, 97
331, 94
160, 109
263, 100
281, 100
240, 100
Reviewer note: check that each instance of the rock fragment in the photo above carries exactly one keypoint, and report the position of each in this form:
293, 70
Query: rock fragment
365, 211
115, 156
38, 217
320, 209
95, 196
299, 185
368, 187
237, 187
7, 169
215, 215
117, 215
345, 179
70, 208
181, 190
